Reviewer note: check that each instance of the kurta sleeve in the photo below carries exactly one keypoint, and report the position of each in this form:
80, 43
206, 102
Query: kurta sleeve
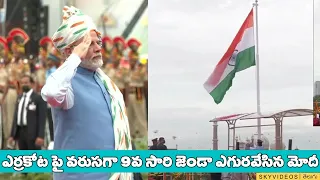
57, 90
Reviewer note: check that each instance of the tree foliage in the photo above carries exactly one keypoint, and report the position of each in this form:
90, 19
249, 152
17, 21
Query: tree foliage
316, 98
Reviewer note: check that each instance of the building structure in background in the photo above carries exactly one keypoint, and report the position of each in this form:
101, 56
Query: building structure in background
29, 15
316, 90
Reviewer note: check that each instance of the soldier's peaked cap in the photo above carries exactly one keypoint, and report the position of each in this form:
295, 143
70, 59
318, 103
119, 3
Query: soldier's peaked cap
45, 40
133, 41
19, 32
106, 39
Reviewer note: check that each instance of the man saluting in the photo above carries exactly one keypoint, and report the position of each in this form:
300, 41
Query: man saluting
88, 109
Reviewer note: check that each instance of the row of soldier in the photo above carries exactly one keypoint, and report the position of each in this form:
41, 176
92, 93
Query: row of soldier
130, 75
122, 64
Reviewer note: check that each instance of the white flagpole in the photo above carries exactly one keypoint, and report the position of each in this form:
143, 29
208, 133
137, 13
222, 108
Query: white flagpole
257, 68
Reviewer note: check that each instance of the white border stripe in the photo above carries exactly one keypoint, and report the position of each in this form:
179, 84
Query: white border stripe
247, 41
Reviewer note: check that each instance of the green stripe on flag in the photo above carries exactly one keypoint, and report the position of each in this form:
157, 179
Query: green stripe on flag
245, 59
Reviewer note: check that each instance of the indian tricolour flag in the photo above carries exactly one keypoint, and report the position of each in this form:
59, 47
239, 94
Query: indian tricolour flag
239, 56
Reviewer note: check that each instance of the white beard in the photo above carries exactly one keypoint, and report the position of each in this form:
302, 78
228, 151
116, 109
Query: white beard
92, 64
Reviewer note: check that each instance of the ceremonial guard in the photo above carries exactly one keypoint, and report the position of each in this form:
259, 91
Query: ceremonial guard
17, 39
136, 107
119, 46
119, 69
3, 80
144, 61
46, 45
107, 45
3, 71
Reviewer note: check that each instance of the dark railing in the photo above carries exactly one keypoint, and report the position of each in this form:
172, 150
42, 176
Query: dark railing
135, 19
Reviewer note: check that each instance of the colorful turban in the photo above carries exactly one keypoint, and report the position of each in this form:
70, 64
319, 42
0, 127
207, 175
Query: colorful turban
74, 26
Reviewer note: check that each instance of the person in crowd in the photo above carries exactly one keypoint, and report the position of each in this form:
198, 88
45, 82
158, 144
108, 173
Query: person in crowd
247, 146
136, 99
16, 40
118, 69
29, 117
45, 44
119, 47
79, 90
161, 144
3, 78
154, 144
107, 45
259, 145
19, 40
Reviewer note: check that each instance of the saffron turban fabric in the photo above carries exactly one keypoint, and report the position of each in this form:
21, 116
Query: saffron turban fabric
74, 26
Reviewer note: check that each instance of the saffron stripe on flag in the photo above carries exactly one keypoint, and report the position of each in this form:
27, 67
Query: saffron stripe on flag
239, 56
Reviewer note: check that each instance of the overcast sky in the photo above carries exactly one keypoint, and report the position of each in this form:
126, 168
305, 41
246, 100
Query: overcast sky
186, 40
